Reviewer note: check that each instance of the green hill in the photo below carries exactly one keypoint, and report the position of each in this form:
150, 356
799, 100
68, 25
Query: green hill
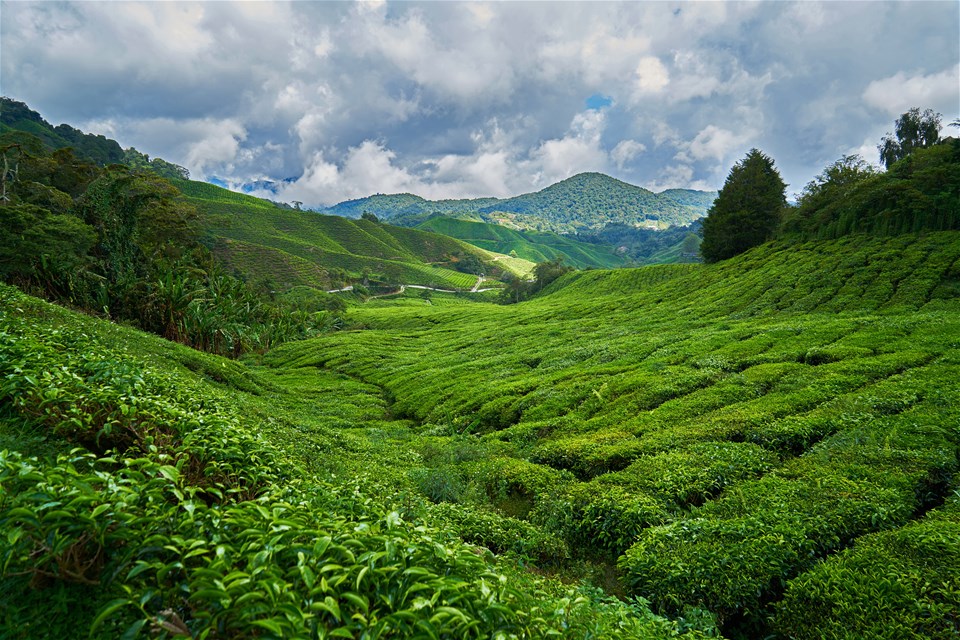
289, 247
588, 201
529, 245
782, 425
147, 486
594, 200
17, 116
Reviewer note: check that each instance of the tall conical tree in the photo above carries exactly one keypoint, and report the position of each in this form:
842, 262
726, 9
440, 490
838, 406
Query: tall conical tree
747, 209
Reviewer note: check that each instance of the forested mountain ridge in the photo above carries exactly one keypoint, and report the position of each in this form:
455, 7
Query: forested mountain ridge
17, 116
95, 148
584, 202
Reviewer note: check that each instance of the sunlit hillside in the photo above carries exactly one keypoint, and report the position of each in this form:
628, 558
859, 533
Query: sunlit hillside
290, 247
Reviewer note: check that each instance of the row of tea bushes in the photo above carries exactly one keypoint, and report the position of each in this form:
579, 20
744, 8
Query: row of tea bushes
736, 553
902, 584
175, 518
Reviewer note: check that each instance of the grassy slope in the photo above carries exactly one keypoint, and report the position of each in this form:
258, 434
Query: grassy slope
736, 422
294, 248
531, 245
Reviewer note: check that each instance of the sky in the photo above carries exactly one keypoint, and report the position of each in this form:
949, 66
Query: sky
340, 100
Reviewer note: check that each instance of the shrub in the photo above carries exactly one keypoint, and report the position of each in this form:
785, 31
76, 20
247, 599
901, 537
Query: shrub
500, 534
902, 584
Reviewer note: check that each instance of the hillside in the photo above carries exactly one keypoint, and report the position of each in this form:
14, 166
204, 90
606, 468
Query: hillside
781, 425
290, 247
529, 245
588, 201
279, 247
165, 491
594, 200
777, 425
16, 116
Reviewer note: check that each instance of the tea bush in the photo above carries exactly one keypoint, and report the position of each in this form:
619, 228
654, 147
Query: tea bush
896, 584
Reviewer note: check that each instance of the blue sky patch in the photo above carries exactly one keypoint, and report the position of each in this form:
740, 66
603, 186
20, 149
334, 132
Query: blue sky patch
598, 101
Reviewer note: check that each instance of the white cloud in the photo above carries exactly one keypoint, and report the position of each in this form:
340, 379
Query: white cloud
498, 166
900, 92
625, 151
578, 151
213, 143
651, 77
716, 143
481, 98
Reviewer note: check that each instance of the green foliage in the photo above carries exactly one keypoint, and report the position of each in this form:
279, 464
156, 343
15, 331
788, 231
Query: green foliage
530, 245
896, 584
544, 274
747, 210
141, 161
585, 201
921, 192
913, 131
193, 525
500, 534
17, 116
37, 246
138, 220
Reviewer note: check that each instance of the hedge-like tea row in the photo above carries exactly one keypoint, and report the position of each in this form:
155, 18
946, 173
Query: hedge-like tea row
902, 584
736, 553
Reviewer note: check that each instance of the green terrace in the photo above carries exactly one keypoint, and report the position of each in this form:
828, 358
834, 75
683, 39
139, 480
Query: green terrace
727, 428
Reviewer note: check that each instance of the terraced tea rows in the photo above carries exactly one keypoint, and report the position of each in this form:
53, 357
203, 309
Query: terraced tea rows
733, 443
206, 500
726, 427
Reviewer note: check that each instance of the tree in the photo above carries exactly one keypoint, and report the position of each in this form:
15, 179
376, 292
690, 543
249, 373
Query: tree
913, 131
826, 196
690, 245
548, 271
39, 246
747, 210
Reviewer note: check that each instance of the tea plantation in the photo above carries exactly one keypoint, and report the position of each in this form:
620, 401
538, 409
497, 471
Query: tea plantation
764, 447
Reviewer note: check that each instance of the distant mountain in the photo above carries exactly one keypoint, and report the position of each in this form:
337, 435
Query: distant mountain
585, 202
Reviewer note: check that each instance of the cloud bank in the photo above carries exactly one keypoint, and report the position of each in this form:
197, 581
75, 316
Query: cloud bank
341, 100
